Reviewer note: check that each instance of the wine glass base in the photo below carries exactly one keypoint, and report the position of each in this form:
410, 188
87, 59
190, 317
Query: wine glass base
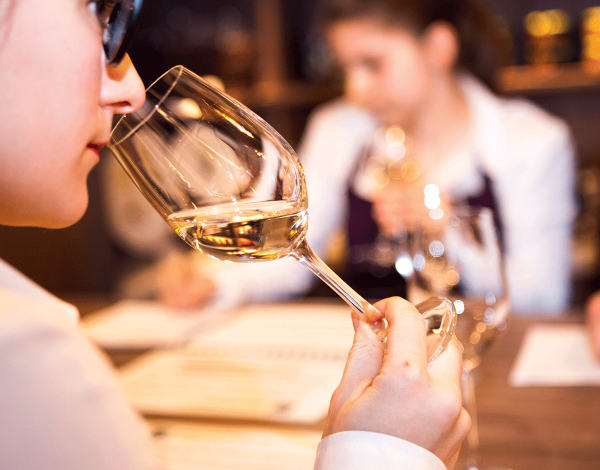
440, 317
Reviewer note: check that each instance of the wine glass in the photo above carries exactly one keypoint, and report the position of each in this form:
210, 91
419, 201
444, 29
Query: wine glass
459, 256
388, 161
230, 186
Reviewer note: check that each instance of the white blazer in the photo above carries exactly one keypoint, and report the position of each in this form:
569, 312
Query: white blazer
61, 405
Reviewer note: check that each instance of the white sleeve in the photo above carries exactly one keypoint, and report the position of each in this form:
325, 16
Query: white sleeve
62, 407
361, 450
259, 282
538, 207
335, 139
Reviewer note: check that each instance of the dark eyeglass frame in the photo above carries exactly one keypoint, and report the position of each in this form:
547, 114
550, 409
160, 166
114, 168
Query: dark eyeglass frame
119, 20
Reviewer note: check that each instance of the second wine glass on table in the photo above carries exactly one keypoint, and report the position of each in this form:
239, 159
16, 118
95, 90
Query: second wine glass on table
459, 256
230, 186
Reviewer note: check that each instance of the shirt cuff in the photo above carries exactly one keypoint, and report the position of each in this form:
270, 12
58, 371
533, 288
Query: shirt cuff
370, 450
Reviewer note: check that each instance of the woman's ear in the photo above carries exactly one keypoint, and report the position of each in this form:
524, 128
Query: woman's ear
441, 45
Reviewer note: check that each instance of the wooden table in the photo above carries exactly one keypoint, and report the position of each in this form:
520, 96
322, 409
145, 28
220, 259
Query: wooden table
523, 428
531, 428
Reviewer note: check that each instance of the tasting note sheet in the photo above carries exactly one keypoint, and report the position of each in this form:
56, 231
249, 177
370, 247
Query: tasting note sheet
185, 446
555, 355
141, 324
274, 363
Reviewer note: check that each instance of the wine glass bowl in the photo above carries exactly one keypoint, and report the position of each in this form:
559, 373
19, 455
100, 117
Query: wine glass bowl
191, 146
230, 186
459, 256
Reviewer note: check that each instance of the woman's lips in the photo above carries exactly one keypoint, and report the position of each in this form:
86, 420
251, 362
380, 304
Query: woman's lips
97, 147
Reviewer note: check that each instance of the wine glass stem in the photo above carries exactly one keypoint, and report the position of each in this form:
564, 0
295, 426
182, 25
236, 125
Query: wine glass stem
470, 447
309, 258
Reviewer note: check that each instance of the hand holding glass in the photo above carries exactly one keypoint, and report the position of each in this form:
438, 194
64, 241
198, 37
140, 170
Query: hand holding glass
230, 186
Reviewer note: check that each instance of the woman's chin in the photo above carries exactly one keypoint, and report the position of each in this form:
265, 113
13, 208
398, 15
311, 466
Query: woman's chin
45, 209
67, 221
67, 216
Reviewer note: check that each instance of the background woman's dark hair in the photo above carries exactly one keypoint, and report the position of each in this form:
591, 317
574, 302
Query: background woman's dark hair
481, 41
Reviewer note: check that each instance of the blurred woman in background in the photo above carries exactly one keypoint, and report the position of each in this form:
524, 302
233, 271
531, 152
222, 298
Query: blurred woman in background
425, 70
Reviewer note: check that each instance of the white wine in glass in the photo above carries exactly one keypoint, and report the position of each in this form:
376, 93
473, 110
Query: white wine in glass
230, 186
243, 232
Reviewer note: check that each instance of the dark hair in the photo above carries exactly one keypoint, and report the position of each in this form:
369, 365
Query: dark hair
480, 39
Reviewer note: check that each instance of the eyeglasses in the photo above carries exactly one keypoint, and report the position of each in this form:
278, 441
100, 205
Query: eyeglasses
118, 18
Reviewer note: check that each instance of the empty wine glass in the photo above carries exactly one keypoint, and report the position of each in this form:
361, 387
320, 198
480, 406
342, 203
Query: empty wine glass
230, 186
459, 256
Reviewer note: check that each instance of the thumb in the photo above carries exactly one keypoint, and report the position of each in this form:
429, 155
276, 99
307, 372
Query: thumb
363, 364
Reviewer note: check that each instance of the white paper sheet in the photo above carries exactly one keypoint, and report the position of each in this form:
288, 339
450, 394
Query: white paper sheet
277, 363
185, 446
555, 355
136, 324
321, 330
183, 383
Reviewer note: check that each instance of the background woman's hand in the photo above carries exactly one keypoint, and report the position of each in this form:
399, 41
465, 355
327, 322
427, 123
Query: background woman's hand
399, 205
593, 320
400, 393
180, 283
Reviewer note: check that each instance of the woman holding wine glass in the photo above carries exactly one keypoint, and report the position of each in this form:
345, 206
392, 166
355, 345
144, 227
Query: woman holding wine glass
62, 405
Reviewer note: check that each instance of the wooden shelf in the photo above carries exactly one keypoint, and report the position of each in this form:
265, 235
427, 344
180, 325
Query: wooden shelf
549, 79
285, 94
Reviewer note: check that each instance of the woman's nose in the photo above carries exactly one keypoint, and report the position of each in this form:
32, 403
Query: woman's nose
122, 88
356, 88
